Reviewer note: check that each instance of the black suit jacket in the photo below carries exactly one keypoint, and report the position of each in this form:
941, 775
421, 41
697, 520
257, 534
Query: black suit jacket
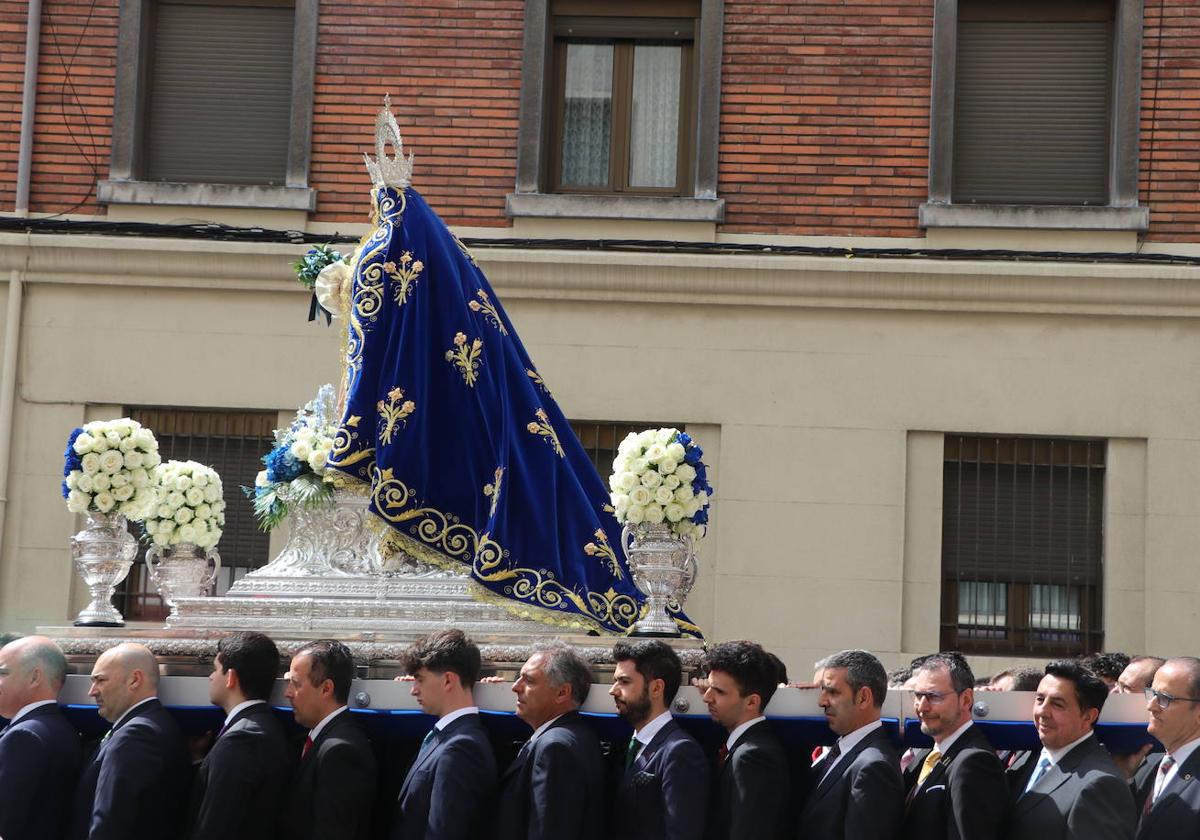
753, 789
861, 798
664, 794
240, 787
334, 787
39, 764
1084, 797
448, 791
554, 788
965, 796
136, 785
1176, 814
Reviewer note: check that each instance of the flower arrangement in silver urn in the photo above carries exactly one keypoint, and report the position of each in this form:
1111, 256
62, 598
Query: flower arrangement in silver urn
660, 494
184, 528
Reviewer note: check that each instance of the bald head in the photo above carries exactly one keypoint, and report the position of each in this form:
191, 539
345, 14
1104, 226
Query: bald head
122, 677
32, 669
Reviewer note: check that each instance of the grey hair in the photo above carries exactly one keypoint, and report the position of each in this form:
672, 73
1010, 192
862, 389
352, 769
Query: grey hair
862, 670
564, 665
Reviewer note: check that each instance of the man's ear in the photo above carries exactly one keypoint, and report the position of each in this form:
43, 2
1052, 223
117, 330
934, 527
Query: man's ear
231, 679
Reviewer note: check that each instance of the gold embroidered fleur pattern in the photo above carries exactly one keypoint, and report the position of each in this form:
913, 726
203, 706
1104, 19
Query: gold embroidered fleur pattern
404, 276
465, 356
485, 305
537, 380
600, 548
392, 412
492, 491
542, 427
341, 457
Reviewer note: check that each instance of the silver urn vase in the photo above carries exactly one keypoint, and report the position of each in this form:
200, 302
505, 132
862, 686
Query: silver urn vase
183, 570
664, 570
103, 552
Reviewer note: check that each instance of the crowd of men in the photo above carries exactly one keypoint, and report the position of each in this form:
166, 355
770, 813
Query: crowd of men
144, 782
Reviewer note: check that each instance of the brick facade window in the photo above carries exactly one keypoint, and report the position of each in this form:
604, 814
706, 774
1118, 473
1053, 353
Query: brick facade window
1022, 545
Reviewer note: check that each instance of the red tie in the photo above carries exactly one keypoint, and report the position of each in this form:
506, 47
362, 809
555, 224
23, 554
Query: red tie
308, 742
722, 755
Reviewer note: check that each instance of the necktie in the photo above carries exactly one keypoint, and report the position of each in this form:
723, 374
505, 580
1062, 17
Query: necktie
906, 760
722, 755
1160, 780
631, 754
427, 743
828, 761
1038, 772
308, 742
930, 760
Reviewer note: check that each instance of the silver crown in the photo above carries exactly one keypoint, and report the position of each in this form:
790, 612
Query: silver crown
385, 171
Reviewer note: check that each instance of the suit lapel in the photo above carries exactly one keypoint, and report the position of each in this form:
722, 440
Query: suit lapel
844, 761
439, 740
1057, 774
1185, 777
653, 747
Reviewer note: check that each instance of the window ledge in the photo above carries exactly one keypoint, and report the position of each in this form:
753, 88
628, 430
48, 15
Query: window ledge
935, 215
639, 207
207, 195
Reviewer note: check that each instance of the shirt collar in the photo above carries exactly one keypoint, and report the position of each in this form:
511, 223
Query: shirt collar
944, 746
740, 730
236, 710
1180, 755
449, 718
315, 732
129, 712
26, 709
850, 741
646, 734
1058, 755
544, 727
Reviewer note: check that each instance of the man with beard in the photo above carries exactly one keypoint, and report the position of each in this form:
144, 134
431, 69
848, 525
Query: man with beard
1172, 797
857, 791
663, 792
957, 789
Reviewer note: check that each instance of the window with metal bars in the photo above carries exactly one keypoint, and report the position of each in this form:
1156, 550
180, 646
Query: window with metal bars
1022, 545
232, 443
601, 440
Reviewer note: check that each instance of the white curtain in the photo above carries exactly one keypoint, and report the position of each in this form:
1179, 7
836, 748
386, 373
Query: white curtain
654, 130
587, 115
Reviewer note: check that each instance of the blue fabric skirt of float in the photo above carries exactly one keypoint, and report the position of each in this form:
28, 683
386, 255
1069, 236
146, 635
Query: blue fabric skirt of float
451, 430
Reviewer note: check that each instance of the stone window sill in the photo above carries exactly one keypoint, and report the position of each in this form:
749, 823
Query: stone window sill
207, 195
637, 207
934, 215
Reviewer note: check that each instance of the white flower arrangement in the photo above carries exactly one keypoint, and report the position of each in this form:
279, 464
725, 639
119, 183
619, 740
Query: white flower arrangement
108, 468
658, 476
190, 505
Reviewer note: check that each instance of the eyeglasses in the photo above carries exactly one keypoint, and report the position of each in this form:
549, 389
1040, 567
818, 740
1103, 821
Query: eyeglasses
933, 697
1165, 700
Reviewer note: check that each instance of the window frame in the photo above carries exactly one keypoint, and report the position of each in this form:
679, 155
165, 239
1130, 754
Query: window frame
697, 199
124, 184
1122, 211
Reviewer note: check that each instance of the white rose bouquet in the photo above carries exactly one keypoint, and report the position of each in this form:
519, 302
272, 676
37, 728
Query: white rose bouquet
108, 466
658, 476
295, 468
190, 505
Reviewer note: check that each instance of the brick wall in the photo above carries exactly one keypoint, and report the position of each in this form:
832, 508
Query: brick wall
824, 123
825, 116
1170, 125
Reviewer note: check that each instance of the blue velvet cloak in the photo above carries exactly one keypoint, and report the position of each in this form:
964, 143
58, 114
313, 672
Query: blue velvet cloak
466, 456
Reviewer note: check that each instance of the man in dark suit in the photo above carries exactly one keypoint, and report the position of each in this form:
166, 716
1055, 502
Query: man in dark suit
136, 785
663, 793
957, 789
449, 789
555, 786
1139, 766
334, 787
1071, 790
857, 792
239, 789
753, 783
1172, 800
40, 751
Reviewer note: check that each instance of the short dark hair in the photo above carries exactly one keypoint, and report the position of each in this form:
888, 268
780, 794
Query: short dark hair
256, 660
780, 668
863, 670
1090, 690
1024, 679
445, 651
565, 666
899, 676
654, 660
331, 660
749, 665
1106, 665
961, 676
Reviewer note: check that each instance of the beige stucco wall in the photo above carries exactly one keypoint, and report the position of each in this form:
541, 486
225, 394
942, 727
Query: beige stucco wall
819, 388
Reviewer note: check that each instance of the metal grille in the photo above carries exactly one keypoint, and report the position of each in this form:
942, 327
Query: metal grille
232, 443
601, 439
1022, 545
